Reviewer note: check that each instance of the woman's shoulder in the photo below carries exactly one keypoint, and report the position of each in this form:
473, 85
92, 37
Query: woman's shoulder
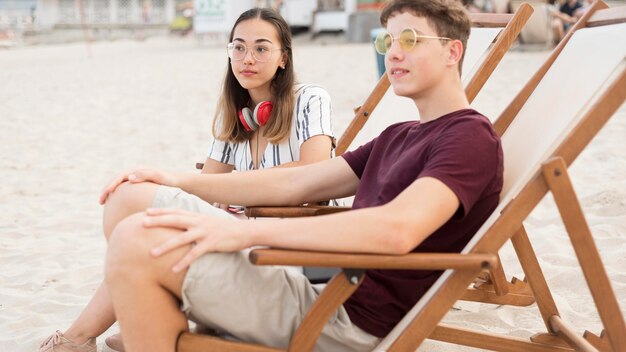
310, 89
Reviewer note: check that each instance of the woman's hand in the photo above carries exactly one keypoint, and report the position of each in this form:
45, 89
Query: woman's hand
205, 233
137, 176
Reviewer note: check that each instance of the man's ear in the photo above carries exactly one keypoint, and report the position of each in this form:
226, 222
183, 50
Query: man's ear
455, 52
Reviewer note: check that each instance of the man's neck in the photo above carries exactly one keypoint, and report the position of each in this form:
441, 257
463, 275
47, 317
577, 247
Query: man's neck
441, 101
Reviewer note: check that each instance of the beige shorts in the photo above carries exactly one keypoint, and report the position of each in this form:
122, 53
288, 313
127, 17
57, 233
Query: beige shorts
260, 304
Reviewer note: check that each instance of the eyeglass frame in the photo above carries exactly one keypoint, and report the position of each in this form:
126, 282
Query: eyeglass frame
415, 36
232, 44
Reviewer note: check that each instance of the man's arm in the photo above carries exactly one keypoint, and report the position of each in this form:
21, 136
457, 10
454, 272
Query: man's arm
277, 186
394, 228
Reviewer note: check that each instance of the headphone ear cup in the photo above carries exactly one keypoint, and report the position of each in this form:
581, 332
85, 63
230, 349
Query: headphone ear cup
248, 122
262, 112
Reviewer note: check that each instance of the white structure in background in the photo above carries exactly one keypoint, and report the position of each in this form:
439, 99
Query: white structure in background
332, 15
216, 17
298, 13
67, 13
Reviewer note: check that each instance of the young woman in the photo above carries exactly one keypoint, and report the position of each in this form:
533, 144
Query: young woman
263, 120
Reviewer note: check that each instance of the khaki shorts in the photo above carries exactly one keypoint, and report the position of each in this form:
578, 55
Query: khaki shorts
224, 292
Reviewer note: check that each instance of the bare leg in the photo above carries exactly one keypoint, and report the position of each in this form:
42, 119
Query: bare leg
557, 30
146, 299
127, 199
95, 319
98, 315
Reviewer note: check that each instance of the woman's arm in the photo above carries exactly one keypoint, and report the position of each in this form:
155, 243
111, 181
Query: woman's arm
212, 166
314, 149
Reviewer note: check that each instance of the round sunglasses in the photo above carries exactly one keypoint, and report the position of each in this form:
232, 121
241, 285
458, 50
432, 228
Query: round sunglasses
408, 38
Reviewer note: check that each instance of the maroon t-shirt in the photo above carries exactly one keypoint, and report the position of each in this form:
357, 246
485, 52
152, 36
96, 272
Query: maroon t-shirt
460, 149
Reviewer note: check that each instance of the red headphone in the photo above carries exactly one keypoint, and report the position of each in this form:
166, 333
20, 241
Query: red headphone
251, 120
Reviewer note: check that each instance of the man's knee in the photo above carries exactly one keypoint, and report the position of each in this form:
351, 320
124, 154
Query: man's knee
128, 247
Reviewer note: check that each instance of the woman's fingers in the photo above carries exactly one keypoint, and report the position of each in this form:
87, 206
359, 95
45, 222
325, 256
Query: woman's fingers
110, 187
133, 176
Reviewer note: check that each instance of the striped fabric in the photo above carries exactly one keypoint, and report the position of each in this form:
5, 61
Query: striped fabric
312, 111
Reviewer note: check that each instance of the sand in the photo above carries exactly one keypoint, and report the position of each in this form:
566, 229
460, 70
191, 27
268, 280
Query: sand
72, 118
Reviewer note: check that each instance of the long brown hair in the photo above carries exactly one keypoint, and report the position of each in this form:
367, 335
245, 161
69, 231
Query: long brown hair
226, 124
448, 17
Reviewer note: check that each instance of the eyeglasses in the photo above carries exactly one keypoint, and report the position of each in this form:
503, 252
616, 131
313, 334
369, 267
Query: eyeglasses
260, 52
408, 38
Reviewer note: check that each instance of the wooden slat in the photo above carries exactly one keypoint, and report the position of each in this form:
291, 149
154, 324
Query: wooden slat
555, 171
492, 20
363, 114
519, 294
489, 341
611, 15
534, 275
188, 342
334, 294
498, 279
412, 261
292, 212
564, 330
514, 26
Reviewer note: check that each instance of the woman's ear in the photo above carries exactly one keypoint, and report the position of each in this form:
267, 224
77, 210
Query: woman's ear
283, 61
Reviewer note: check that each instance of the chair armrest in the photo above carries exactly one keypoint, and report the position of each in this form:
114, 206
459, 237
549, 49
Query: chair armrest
292, 212
411, 261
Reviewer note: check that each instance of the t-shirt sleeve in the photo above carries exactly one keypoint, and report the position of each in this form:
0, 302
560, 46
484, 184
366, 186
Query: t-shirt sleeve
357, 159
221, 151
313, 113
466, 159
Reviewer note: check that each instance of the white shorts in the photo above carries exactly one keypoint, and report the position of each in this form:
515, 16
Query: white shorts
224, 292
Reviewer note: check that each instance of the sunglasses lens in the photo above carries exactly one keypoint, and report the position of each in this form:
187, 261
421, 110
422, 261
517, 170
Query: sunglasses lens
407, 39
383, 42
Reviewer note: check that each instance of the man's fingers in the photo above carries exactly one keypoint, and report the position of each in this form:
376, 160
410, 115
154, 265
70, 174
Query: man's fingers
194, 253
182, 239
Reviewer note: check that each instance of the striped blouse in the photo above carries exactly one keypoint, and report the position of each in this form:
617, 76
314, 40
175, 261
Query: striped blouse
312, 117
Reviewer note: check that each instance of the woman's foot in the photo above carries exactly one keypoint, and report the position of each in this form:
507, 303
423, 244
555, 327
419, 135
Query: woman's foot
59, 343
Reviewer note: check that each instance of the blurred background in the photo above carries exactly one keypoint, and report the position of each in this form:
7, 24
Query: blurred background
26, 22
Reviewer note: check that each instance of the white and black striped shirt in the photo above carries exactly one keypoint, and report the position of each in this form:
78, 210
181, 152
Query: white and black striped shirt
312, 117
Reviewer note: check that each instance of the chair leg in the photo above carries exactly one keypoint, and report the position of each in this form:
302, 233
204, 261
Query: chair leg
557, 178
534, 275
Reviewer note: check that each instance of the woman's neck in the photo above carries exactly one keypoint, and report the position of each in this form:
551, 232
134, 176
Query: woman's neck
258, 95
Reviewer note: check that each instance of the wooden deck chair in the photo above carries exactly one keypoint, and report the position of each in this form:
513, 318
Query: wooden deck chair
491, 37
536, 162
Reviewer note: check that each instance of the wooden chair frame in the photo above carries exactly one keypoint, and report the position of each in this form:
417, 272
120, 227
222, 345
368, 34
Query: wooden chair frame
552, 177
493, 287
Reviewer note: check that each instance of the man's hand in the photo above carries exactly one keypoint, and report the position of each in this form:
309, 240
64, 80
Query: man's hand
205, 233
137, 176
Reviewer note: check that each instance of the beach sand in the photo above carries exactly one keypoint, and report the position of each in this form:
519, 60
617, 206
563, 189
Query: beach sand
70, 120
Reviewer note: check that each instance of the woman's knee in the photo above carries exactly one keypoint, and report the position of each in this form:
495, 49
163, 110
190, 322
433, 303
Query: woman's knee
127, 199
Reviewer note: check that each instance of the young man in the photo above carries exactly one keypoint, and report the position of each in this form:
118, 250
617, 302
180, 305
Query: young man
421, 186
